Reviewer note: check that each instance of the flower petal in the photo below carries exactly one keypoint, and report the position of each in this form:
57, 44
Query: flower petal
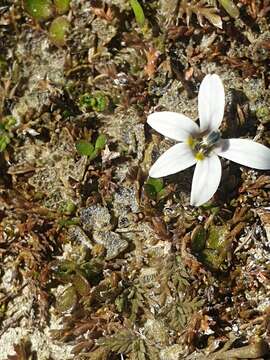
245, 152
177, 158
205, 180
173, 125
211, 102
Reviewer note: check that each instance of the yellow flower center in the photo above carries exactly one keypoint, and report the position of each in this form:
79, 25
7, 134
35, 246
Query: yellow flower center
203, 144
199, 155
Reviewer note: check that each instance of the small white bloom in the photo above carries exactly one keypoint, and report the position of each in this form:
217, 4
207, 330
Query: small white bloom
202, 145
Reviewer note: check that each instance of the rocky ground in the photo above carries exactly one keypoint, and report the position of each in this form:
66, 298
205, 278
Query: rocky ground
98, 261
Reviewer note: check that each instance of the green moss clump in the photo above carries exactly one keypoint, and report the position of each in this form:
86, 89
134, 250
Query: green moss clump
5, 131
7, 123
68, 207
4, 141
97, 102
210, 246
214, 254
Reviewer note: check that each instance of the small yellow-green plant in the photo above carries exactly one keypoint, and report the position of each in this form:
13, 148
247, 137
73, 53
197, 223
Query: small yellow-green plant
58, 30
88, 149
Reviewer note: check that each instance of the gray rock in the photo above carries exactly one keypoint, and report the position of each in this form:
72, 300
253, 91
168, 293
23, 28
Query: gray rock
96, 217
112, 241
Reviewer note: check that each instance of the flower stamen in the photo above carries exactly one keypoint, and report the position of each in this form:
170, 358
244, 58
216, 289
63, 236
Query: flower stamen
199, 155
203, 145
191, 142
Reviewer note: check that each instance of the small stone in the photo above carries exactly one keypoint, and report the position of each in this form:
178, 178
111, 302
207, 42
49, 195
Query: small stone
96, 217
125, 201
112, 241
78, 235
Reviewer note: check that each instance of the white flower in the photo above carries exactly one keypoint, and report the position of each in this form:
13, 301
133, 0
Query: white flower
202, 145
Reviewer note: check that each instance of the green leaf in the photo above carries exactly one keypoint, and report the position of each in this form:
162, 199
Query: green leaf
230, 7
93, 155
100, 142
58, 31
62, 6
154, 188
156, 183
85, 148
138, 12
39, 9
150, 191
